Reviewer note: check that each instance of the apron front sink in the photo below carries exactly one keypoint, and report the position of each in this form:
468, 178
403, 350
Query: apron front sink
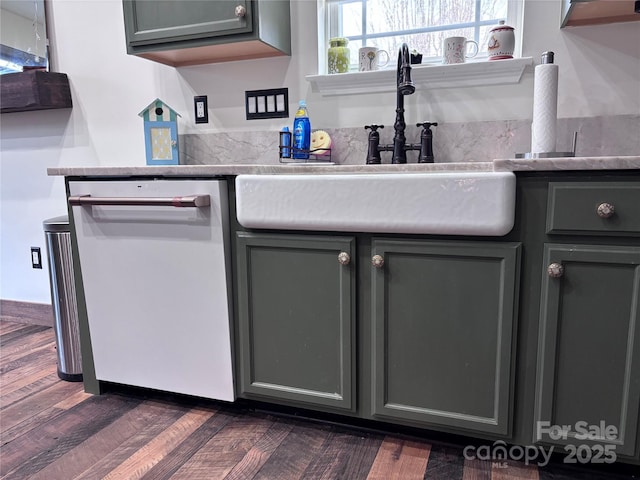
441, 203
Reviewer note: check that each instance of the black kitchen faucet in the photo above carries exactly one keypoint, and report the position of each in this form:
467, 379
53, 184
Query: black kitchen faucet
400, 146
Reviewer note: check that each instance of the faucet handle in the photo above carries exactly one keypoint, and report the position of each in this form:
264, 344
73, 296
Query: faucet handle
373, 152
426, 142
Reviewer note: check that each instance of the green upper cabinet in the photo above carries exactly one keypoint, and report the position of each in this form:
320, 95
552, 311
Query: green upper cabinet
444, 316
191, 32
589, 346
296, 312
159, 22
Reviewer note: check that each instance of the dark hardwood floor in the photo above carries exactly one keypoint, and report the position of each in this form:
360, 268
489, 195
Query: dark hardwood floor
51, 429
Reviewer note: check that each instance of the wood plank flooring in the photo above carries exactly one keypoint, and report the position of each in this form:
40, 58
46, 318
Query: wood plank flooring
51, 429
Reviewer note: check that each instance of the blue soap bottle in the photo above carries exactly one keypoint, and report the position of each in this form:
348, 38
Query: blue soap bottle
301, 132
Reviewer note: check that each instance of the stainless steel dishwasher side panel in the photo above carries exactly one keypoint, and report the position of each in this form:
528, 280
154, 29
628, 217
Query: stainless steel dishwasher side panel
156, 286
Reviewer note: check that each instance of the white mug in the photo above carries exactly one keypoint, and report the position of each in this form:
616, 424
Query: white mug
454, 50
369, 58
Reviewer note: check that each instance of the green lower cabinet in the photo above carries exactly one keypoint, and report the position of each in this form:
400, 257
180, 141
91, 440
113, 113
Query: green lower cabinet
444, 317
588, 373
296, 311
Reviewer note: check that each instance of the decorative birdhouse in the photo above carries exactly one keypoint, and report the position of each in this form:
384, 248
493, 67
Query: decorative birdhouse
160, 133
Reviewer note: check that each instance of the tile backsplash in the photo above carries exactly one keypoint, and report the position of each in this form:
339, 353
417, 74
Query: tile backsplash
452, 142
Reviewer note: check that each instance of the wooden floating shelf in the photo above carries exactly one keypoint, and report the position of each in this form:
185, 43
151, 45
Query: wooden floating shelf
34, 90
598, 12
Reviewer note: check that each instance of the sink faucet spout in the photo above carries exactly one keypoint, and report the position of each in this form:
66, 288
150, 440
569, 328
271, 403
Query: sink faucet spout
405, 86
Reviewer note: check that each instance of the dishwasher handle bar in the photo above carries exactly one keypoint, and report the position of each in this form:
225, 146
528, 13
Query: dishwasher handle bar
181, 201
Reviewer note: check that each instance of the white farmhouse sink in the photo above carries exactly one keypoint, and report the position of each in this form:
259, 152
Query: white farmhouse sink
444, 203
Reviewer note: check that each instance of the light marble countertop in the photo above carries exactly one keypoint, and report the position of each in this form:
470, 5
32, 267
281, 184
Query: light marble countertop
500, 165
567, 163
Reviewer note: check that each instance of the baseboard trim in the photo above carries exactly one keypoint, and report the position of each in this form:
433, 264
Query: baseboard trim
27, 312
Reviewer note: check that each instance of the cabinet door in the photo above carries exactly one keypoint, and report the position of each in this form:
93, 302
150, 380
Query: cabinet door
296, 314
444, 320
589, 347
173, 20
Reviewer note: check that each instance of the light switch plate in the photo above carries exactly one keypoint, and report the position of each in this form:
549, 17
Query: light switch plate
201, 109
272, 103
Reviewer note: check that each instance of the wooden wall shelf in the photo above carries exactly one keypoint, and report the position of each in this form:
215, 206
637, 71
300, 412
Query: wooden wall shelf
34, 90
597, 12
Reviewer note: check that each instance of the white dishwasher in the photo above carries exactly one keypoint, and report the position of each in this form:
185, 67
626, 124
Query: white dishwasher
154, 257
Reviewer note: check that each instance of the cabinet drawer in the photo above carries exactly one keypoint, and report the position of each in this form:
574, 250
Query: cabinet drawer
585, 208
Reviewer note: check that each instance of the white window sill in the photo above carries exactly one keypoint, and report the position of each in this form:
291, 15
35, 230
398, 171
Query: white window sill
481, 73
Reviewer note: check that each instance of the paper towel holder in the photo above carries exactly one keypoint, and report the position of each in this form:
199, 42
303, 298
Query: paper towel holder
572, 153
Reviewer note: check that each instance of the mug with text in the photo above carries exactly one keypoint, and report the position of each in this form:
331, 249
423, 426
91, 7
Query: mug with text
454, 50
369, 58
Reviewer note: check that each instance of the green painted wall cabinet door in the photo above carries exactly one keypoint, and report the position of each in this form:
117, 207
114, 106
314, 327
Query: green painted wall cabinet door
155, 22
588, 372
196, 32
297, 319
444, 317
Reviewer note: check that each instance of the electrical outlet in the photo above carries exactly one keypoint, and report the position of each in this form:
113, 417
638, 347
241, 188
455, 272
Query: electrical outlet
36, 257
201, 109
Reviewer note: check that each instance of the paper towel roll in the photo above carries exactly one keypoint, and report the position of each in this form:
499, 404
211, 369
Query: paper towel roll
545, 108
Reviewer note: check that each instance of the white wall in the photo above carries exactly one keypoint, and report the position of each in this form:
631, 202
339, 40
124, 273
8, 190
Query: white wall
599, 71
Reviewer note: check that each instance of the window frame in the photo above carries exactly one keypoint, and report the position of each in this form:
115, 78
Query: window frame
515, 10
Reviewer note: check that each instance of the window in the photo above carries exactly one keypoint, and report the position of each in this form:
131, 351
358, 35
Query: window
422, 24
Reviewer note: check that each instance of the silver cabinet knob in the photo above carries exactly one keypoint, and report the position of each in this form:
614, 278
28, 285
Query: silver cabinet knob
344, 258
555, 270
605, 210
377, 261
241, 11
